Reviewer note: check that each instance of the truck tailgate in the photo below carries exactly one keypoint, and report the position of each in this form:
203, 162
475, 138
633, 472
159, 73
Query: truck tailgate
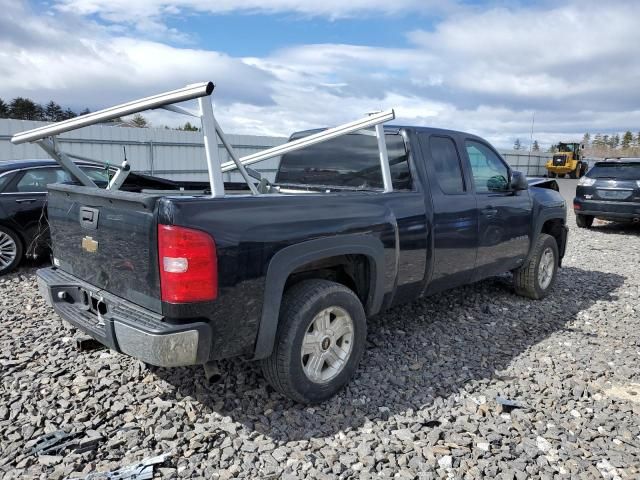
107, 238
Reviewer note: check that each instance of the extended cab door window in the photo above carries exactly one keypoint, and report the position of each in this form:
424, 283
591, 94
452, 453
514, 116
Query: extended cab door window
446, 164
490, 173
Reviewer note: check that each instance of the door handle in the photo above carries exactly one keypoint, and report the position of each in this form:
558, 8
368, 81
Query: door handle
489, 211
25, 200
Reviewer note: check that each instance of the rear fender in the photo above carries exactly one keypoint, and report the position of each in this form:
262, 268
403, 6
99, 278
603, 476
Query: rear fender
290, 258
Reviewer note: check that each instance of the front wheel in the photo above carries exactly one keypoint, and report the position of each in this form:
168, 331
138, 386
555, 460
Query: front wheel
10, 250
536, 278
321, 337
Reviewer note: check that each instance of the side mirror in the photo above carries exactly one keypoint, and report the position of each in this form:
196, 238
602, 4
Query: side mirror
518, 182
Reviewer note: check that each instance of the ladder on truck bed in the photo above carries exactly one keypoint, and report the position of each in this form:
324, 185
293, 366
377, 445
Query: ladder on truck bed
45, 137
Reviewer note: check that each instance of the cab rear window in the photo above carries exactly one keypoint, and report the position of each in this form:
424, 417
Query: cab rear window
347, 161
617, 171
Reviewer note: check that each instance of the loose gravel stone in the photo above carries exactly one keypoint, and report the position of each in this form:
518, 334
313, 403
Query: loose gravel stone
422, 404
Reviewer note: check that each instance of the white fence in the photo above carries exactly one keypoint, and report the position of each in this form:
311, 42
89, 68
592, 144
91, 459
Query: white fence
177, 154
532, 165
166, 153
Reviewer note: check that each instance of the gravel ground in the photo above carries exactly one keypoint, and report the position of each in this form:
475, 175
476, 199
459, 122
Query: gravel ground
427, 401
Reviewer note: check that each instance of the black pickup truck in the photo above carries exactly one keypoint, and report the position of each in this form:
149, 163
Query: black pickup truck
289, 277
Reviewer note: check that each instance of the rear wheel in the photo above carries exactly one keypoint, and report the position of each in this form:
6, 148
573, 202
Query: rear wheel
562, 175
536, 278
584, 221
321, 338
10, 250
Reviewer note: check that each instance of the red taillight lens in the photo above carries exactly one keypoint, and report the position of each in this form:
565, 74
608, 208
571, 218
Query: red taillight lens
576, 206
188, 265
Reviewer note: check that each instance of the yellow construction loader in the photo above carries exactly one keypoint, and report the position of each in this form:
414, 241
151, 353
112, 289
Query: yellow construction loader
567, 159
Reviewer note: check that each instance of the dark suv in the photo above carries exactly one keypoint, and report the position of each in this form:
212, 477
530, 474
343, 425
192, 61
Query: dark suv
610, 191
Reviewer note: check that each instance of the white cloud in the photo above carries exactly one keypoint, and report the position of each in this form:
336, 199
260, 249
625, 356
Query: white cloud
480, 71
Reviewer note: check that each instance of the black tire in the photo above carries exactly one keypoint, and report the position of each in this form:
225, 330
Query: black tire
583, 169
584, 221
575, 173
562, 175
9, 235
301, 303
552, 175
526, 279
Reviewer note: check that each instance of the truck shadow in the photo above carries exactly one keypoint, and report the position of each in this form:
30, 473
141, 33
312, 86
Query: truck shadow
620, 228
417, 355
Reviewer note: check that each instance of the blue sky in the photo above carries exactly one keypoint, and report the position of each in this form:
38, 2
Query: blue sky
284, 65
249, 35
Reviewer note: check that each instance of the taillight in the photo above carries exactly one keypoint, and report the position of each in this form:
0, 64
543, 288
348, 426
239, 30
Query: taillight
576, 206
188, 265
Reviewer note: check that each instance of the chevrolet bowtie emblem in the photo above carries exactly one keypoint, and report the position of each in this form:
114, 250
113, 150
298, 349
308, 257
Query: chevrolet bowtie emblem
89, 244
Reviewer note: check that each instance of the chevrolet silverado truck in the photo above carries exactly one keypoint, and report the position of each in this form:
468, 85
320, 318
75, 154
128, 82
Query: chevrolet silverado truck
288, 277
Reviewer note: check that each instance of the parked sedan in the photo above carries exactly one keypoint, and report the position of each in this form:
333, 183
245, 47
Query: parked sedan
23, 194
610, 191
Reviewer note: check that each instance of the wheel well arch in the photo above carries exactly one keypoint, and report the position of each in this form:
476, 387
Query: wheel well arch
557, 229
554, 227
356, 261
350, 270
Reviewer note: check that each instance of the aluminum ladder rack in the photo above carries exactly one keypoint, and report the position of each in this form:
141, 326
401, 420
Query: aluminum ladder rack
45, 137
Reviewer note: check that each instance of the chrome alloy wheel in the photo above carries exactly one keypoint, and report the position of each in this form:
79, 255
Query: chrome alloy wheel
8, 250
327, 344
546, 268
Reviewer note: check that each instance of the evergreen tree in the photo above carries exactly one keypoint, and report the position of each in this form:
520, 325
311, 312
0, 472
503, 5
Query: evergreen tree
68, 113
586, 139
25, 109
517, 145
536, 146
638, 140
85, 111
53, 112
187, 127
606, 141
615, 141
597, 140
139, 121
627, 139
4, 109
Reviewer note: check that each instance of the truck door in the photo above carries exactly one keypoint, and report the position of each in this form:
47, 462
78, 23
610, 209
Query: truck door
504, 216
455, 217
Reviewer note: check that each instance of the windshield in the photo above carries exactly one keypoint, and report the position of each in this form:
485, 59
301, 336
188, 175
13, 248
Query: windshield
619, 171
563, 147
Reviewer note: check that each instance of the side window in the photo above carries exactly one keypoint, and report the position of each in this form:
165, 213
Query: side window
37, 179
490, 174
446, 163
